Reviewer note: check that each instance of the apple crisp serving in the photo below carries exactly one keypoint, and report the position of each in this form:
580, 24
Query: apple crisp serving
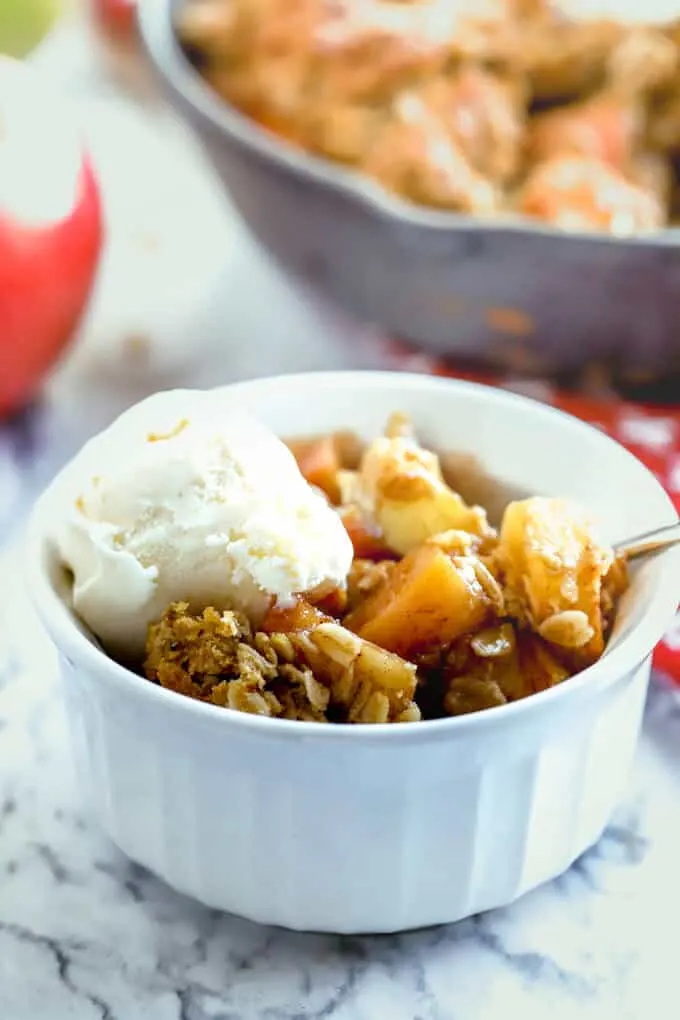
442, 613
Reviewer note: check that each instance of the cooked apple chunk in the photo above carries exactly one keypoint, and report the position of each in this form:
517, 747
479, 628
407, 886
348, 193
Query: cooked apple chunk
400, 486
554, 566
429, 598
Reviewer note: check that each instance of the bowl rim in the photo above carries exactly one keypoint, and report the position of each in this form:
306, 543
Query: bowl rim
627, 653
155, 23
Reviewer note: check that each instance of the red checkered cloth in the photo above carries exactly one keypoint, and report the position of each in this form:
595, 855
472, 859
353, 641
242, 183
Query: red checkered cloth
652, 433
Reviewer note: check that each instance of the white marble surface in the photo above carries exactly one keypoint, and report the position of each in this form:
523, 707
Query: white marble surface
85, 935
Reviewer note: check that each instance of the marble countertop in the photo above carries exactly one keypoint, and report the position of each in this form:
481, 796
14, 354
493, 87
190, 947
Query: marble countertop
86, 935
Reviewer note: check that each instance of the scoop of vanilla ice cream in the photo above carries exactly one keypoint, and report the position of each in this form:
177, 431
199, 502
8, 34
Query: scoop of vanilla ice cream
185, 498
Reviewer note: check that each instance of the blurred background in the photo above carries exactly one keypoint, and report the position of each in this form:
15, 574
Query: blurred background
125, 267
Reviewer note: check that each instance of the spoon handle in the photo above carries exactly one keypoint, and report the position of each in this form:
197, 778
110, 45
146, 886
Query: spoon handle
652, 542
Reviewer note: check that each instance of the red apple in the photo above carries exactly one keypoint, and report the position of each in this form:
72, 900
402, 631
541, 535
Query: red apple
50, 231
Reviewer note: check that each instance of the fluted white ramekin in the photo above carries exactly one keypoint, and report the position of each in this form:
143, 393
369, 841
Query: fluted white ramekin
376, 828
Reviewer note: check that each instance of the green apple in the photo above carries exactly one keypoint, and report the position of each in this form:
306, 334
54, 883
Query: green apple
24, 23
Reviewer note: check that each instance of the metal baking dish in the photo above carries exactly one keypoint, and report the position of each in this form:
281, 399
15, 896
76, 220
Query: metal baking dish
511, 295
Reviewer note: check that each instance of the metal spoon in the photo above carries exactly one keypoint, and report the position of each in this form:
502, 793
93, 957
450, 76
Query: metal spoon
652, 542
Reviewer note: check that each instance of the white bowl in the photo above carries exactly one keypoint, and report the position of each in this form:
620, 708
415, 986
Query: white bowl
376, 828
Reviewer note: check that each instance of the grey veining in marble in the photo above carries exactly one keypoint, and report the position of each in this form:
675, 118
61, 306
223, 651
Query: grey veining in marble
98, 938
